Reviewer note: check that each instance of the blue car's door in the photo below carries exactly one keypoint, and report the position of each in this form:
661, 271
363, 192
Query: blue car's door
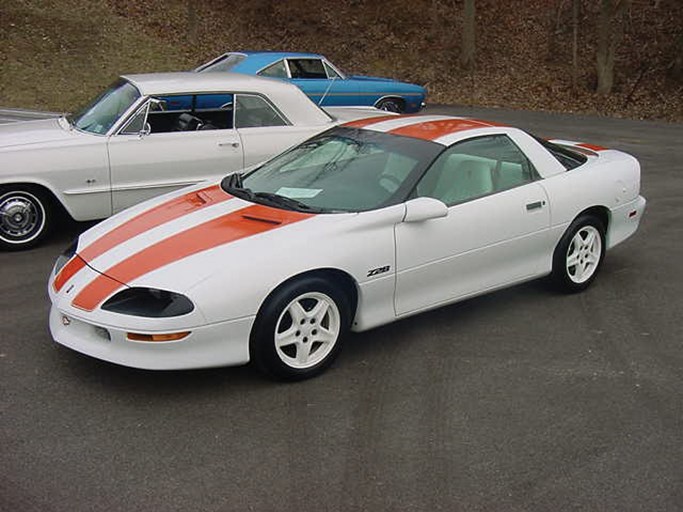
322, 83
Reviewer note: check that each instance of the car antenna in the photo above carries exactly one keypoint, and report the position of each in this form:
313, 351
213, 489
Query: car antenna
320, 103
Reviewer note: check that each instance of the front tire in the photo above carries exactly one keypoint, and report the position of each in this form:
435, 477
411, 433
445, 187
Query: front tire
579, 254
298, 331
25, 217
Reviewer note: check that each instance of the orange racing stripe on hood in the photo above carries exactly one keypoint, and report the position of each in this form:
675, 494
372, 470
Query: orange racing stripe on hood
219, 231
72, 267
156, 216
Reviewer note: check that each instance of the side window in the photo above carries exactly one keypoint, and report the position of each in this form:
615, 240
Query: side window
276, 70
307, 68
476, 168
176, 102
188, 112
136, 123
252, 111
220, 101
331, 73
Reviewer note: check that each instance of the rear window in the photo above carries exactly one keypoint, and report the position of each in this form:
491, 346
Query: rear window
568, 158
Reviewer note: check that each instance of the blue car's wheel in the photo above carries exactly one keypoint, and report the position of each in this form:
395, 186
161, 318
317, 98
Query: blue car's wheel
391, 105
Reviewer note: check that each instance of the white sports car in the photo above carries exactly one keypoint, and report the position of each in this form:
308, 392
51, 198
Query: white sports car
144, 136
359, 226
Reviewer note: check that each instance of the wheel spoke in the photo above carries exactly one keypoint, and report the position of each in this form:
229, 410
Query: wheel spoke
288, 337
319, 311
297, 312
589, 240
325, 336
572, 259
303, 351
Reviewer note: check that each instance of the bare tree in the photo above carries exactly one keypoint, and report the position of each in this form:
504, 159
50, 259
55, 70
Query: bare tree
610, 31
575, 44
677, 61
468, 44
191, 20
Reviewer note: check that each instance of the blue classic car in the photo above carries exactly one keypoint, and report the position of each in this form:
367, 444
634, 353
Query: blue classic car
322, 81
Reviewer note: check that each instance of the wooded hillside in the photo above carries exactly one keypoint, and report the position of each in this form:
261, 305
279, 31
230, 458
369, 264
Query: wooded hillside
59, 53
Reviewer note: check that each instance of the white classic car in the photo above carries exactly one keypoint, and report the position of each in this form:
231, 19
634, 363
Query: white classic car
144, 136
359, 226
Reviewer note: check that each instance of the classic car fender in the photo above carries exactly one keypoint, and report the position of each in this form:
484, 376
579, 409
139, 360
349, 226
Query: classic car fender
75, 171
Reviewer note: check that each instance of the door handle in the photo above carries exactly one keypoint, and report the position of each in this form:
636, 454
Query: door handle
535, 206
234, 144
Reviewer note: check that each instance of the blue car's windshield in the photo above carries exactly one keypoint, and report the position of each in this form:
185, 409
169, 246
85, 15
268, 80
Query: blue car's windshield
101, 114
341, 170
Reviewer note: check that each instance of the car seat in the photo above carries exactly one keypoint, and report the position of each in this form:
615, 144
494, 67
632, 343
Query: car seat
187, 122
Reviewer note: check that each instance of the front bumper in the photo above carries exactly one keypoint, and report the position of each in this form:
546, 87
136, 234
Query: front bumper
219, 344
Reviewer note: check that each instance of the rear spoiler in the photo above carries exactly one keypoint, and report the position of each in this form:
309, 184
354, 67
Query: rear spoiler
580, 147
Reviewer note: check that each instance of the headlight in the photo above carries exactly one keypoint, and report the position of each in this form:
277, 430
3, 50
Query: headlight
65, 256
149, 302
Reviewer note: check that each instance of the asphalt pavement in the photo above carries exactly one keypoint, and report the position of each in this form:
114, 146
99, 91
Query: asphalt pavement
524, 399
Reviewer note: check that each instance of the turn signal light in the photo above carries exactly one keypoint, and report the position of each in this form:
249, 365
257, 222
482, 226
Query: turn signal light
173, 336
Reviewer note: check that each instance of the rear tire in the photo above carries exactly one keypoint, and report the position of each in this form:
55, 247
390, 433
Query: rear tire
25, 217
391, 105
579, 254
298, 331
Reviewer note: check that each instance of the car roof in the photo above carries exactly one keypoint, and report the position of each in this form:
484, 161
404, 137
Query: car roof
436, 128
296, 106
256, 61
187, 81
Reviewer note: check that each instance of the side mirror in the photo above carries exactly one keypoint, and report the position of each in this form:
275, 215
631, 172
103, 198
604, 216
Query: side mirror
424, 208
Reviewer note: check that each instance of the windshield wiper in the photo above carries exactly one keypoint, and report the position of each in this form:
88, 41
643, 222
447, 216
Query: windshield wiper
287, 202
233, 185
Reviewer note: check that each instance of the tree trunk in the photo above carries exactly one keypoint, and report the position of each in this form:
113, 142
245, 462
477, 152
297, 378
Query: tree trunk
575, 44
191, 21
610, 31
677, 63
468, 43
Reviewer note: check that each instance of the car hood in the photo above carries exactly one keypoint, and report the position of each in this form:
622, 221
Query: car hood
25, 133
179, 240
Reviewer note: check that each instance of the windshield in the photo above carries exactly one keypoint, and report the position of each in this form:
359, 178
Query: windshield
225, 63
101, 114
341, 170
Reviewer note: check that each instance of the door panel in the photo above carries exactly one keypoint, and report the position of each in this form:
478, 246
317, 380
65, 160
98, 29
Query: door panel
481, 244
144, 167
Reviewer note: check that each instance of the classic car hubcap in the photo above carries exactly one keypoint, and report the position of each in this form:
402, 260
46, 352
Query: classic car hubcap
20, 217
584, 254
307, 330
